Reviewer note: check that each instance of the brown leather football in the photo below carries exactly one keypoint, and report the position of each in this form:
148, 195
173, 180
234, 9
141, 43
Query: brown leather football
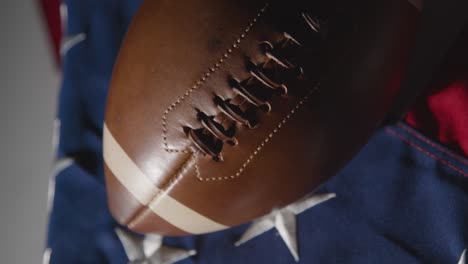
222, 110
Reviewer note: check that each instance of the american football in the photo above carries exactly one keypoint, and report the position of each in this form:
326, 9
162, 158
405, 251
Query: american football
221, 111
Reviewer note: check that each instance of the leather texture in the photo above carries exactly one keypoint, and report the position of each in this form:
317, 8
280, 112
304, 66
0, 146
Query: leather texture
170, 170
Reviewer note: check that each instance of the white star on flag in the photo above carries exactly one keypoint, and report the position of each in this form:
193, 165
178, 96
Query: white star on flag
463, 258
71, 41
46, 256
150, 250
284, 220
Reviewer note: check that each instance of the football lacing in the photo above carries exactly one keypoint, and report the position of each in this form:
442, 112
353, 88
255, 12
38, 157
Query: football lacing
267, 79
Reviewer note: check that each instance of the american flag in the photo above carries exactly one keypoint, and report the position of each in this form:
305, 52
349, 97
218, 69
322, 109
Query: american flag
402, 199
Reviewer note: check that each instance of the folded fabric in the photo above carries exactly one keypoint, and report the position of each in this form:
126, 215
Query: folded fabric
403, 198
